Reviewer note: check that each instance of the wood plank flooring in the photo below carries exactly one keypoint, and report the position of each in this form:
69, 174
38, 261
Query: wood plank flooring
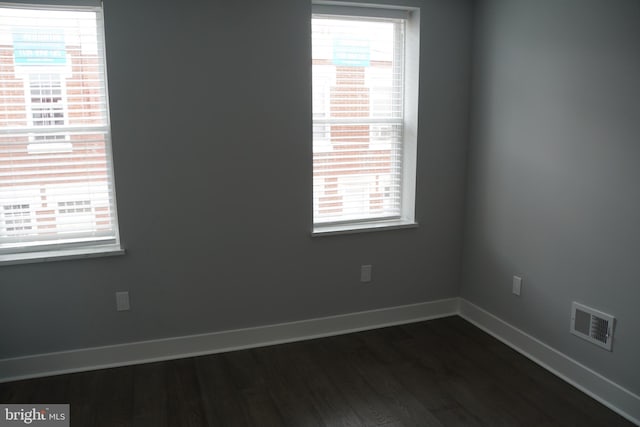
443, 372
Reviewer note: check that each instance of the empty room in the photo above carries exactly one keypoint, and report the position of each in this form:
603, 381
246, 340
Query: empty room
322, 213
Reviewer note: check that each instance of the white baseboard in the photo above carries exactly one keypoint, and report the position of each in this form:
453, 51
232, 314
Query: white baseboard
612, 395
41, 365
605, 391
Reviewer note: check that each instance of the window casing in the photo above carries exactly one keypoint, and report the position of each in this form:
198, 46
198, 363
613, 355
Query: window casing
55, 143
364, 118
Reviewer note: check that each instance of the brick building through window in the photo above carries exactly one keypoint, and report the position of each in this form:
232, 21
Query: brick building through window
358, 117
54, 133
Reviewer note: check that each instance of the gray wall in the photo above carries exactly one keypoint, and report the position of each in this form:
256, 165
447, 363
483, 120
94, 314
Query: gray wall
554, 182
211, 110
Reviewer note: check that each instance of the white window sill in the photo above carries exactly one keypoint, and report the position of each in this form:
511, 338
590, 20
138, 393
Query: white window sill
366, 227
62, 254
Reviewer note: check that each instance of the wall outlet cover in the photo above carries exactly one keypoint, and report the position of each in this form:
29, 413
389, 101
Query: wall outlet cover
122, 301
365, 273
517, 285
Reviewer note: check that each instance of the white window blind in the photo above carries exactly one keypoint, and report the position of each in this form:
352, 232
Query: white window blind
358, 116
56, 172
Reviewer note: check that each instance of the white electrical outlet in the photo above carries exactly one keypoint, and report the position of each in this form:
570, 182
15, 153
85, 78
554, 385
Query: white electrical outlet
517, 285
365, 273
122, 301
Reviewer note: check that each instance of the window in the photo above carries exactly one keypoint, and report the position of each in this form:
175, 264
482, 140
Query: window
16, 218
57, 192
364, 117
46, 104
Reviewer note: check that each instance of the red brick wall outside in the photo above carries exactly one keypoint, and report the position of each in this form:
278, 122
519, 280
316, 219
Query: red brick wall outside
87, 160
349, 98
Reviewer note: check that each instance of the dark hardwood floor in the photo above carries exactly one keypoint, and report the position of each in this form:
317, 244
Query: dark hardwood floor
442, 372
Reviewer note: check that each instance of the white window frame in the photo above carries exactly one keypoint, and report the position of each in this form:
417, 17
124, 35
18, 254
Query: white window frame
411, 15
82, 247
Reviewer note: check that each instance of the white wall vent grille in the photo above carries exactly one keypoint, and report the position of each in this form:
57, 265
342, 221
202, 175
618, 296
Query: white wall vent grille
592, 325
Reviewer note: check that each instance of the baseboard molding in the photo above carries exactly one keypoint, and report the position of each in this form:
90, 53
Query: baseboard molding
610, 394
196, 345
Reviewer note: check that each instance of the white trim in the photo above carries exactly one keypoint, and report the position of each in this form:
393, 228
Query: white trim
359, 11
411, 107
361, 227
612, 395
48, 4
81, 252
382, 5
605, 391
195, 345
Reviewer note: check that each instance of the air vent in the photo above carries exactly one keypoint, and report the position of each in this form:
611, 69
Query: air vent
592, 325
